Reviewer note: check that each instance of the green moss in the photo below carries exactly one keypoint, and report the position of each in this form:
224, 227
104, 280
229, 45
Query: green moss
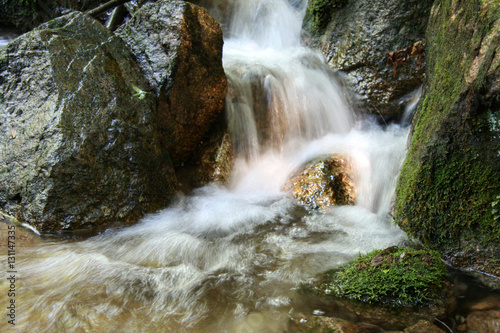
451, 175
320, 12
391, 277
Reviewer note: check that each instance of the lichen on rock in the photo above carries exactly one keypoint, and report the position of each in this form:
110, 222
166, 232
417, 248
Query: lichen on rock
324, 183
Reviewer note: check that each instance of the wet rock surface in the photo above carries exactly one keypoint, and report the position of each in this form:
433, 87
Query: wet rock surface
448, 190
321, 324
423, 326
484, 321
357, 41
324, 183
21, 236
213, 162
178, 45
78, 149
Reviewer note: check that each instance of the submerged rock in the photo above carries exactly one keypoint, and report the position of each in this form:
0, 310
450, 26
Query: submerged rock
423, 326
324, 183
448, 193
78, 145
484, 321
179, 47
357, 39
320, 324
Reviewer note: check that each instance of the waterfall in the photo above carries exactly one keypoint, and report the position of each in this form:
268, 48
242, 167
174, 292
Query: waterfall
280, 90
230, 259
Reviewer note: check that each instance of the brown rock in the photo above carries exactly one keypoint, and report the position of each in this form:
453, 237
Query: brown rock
22, 237
484, 321
179, 47
423, 326
489, 303
213, 162
324, 183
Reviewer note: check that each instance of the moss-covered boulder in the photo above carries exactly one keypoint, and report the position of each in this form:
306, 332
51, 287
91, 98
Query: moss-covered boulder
357, 36
324, 183
179, 47
79, 148
395, 287
448, 194
393, 277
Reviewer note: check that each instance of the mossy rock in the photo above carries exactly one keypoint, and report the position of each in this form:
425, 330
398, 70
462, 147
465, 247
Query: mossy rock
396, 276
392, 288
319, 12
449, 188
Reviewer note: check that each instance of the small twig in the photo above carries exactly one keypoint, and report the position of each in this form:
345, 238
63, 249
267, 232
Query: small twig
104, 7
442, 323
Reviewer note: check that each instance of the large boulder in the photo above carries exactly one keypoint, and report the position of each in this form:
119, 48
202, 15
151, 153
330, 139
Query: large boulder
79, 148
359, 38
448, 194
179, 47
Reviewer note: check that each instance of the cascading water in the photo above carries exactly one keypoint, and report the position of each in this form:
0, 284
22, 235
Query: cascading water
230, 259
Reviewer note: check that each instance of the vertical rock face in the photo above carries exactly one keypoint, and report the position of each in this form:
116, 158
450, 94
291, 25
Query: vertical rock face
356, 40
179, 47
78, 146
213, 162
448, 194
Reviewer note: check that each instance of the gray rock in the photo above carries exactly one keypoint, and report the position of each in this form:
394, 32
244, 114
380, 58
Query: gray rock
179, 47
78, 146
359, 37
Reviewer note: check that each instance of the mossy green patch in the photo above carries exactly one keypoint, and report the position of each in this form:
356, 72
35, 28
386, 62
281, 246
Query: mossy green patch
396, 276
320, 12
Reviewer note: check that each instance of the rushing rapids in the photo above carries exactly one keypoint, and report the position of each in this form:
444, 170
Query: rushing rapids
230, 259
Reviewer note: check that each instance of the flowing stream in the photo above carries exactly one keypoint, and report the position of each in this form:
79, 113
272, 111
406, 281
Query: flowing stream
230, 258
